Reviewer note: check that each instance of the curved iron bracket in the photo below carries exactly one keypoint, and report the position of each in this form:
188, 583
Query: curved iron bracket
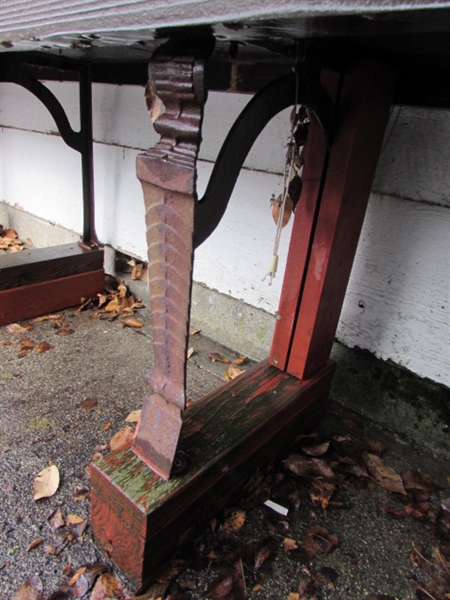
267, 103
81, 141
14, 74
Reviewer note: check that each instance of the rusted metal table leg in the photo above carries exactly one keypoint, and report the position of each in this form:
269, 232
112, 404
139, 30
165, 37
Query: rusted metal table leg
139, 518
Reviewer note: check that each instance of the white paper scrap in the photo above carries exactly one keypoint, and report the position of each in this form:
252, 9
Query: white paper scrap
277, 507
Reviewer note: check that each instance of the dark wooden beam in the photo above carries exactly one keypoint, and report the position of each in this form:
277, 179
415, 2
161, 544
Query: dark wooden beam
42, 264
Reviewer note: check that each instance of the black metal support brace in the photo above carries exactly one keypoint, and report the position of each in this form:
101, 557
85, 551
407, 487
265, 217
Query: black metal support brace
14, 71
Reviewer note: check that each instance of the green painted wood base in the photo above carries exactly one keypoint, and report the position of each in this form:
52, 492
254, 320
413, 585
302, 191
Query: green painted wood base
139, 519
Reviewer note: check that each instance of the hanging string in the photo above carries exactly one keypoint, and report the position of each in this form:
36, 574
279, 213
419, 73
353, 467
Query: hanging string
288, 169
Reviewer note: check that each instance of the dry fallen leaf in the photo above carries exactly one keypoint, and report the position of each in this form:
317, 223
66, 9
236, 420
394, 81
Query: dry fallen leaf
122, 437
384, 475
308, 467
76, 525
34, 544
88, 403
289, 544
56, 519
216, 357
46, 483
134, 416
30, 590
190, 352
220, 588
132, 323
235, 522
80, 494
232, 372
318, 540
43, 347
15, 328
193, 331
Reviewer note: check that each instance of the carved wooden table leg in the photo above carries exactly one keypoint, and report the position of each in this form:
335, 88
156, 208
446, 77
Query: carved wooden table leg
138, 518
168, 176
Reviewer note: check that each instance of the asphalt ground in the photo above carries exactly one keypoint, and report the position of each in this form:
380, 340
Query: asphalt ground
62, 405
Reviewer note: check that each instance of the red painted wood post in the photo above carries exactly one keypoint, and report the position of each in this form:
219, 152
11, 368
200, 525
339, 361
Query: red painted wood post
329, 217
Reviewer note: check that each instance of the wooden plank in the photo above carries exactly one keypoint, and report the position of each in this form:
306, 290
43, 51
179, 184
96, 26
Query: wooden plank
301, 236
363, 111
42, 264
139, 519
41, 298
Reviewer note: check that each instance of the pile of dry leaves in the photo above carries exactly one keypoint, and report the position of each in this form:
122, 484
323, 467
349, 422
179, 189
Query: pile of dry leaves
10, 242
325, 466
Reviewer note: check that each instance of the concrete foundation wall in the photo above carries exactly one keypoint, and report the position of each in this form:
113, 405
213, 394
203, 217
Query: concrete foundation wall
397, 305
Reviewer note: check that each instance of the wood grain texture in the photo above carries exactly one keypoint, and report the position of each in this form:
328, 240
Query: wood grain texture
363, 112
226, 436
41, 264
41, 298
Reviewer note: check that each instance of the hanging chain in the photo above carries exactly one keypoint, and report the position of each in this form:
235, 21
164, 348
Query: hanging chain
291, 184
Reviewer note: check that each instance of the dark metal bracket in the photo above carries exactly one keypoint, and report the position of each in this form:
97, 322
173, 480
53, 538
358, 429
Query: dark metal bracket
81, 141
270, 101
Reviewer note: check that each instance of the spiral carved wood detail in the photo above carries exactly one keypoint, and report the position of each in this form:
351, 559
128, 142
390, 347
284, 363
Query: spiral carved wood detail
168, 176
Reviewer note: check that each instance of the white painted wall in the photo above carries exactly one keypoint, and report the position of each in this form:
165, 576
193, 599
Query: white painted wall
397, 304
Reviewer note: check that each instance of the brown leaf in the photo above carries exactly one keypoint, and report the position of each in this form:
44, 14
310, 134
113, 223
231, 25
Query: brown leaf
308, 467
107, 586
27, 343
122, 437
76, 525
412, 480
321, 491
30, 590
289, 544
17, 328
43, 347
235, 522
107, 426
56, 519
135, 323
392, 512
264, 550
232, 372
88, 403
190, 352
193, 331
374, 446
220, 588
216, 357
318, 540
46, 483
315, 449
134, 416
240, 360
384, 475
11, 234
65, 331
276, 208
76, 576
34, 544
80, 494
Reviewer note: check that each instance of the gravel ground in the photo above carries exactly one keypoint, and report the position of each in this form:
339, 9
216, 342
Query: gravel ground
45, 418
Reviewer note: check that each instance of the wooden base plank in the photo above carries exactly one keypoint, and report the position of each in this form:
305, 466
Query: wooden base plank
41, 298
43, 264
140, 519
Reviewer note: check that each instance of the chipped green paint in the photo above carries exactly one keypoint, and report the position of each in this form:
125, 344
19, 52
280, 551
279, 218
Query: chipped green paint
215, 424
